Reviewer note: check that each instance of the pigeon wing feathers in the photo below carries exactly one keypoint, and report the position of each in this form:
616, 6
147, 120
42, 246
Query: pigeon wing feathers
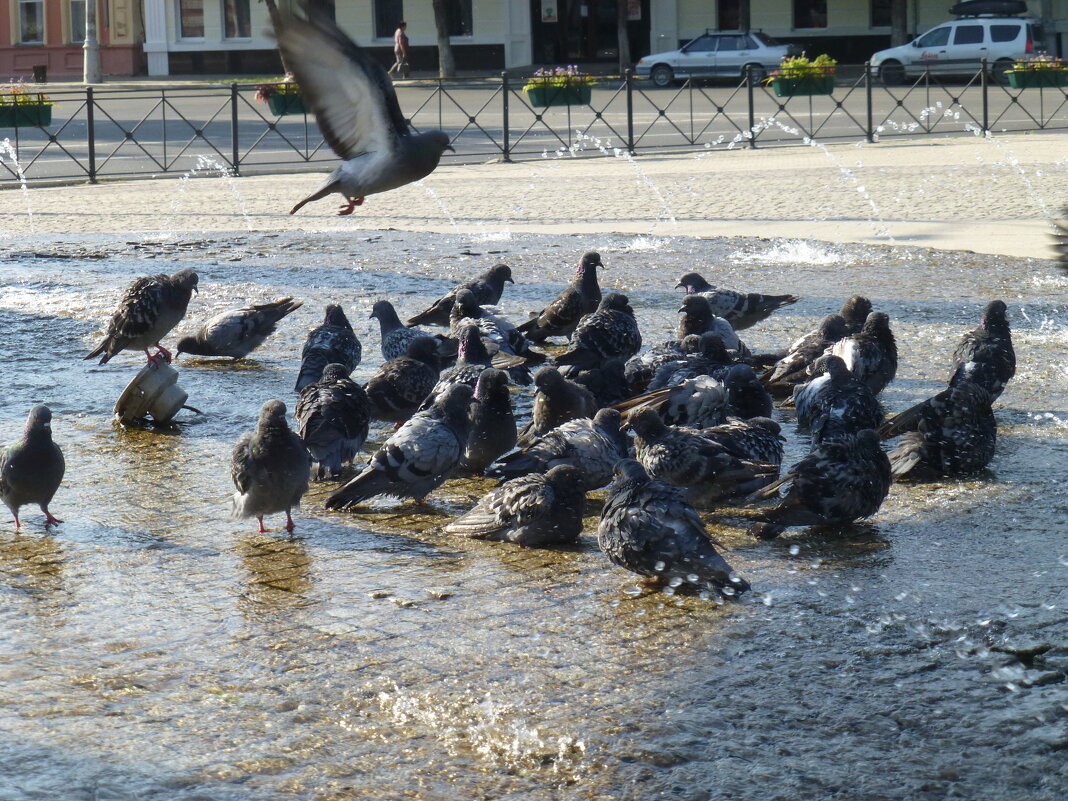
511, 505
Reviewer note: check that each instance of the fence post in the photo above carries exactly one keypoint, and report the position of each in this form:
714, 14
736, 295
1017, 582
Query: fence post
505, 144
986, 99
752, 108
90, 133
628, 78
235, 155
867, 89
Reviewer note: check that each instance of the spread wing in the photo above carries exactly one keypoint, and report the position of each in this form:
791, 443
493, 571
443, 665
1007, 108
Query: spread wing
352, 97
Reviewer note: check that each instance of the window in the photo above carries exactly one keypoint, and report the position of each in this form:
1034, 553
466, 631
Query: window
935, 38
191, 19
1004, 33
810, 13
387, 14
702, 44
238, 24
31, 22
733, 43
968, 34
77, 21
880, 14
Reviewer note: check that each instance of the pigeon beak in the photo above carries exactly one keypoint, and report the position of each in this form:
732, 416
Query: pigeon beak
681, 286
680, 311
450, 148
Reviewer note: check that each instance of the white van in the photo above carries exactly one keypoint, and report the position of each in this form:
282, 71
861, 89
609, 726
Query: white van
956, 48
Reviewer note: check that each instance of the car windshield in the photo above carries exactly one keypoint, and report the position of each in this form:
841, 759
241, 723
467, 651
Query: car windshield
765, 39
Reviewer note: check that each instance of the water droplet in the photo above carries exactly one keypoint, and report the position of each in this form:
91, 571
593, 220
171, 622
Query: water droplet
659, 566
675, 581
693, 578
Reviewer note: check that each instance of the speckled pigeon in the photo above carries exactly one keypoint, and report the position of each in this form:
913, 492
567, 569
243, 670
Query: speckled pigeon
985, 355
493, 429
641, 368
871, 353
534, 511
270, 467
696, 317
237, 332
855, 312
333, 342
495, 330
487, 290
401, 385
1060, 241
792, 369
581, 297
151, 307
835, 403
840, 481
758, 439
746, 396
356, 107
607, 382
741, 310
396, 337
32, 467
696, 402
332, 416
704, 355
418, 458
648, 527
611, 332
471, 359
556, 401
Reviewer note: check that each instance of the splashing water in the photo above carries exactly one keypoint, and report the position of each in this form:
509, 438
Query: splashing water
7, 149
794, 251
1014, 163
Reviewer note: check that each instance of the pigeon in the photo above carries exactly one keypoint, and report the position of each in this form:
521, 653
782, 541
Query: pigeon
608, 333
581, 297
855, 312
698, 402
333, 342
746, 396
401, 385
792, 369
332, 416
493, 430
955, 436
356, 107
739, 309
238, 332
840, 481
704, 355
556, 401
648, 527
534, 511
871, 353
486, 289
836, 404
418, 458
758, 439
498, 332
640, 369
151, 307
697, 317
471, 359
32, 467
607, 382
270, 467
396, 337
684, 458
593, 446
1060, 242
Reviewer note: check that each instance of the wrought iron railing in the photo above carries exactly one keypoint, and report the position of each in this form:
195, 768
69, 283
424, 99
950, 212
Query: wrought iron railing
102, 132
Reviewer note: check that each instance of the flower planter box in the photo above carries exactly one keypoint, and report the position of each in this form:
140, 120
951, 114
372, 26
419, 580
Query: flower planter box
805, 85
542, 96
288, 103
25, 115
1030, 79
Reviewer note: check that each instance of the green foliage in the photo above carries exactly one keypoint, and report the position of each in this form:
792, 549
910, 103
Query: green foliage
1039, 63
16, 94
803, 67
558, 76
287, 86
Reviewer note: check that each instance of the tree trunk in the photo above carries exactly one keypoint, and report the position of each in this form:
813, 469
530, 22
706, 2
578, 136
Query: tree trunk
446, 62
623, 35
899, 22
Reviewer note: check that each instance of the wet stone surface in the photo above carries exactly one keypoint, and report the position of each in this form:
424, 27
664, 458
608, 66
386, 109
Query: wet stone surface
153, 648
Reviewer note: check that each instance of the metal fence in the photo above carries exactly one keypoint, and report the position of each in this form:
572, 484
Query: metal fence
102, 132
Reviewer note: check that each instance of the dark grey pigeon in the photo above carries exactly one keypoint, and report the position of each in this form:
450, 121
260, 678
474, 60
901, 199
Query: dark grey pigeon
396, 337
496, 331
556, 401
607, 382
841, 481
641, 368
418, 458
333, 342
835, 404
696, 403
401, 385
746, 396
855, 312
471, 359
758, 439
486, 289
1060, 242
151, 307
270, 467
581, 297
704, 355
697, 317
792, 369
534, 511
611, 332
741, 310
870, 354
32, 467
332, 416
648, 527
238, 332
593, 446
492, 422
356, 107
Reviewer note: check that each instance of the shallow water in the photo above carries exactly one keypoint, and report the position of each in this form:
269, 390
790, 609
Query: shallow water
152, 648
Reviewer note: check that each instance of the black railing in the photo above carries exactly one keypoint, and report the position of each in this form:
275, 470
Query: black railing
105, 132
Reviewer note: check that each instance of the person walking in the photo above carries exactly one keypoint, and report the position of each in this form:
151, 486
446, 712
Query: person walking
400, 51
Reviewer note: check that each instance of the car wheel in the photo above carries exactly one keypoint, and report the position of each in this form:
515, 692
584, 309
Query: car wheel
756, 70
662, 75
892, 73
997, 72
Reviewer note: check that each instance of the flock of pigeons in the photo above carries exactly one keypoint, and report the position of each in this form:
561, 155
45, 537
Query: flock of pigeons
685, 424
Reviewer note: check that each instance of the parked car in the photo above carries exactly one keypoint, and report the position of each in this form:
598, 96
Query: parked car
956, 48
716, 54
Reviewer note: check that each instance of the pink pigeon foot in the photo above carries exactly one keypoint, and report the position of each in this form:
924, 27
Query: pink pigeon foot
351, 206
51, 519
290, 525
262, 529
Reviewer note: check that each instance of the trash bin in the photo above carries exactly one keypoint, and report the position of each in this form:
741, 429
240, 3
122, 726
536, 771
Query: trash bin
40, 73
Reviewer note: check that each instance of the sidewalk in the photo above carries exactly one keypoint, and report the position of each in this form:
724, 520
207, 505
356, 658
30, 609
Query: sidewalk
966, 193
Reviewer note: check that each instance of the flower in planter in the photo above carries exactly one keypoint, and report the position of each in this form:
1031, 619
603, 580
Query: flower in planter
1039, 63
793, 67
287, 86
16, 94
568, 76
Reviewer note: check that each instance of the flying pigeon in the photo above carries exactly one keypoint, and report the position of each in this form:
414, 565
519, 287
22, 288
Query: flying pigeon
487, 290
418, 458
698, 402
556, 401
792, 369
151, 307
401, 385
871, 353
835, 403
493, 430
741, 310
396, 337
610, 332
533, 511
581, 297
840, 481
697, 317
356, 107
333, 342
648, 527
270, 467
32, 467
332, 416
238, 332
